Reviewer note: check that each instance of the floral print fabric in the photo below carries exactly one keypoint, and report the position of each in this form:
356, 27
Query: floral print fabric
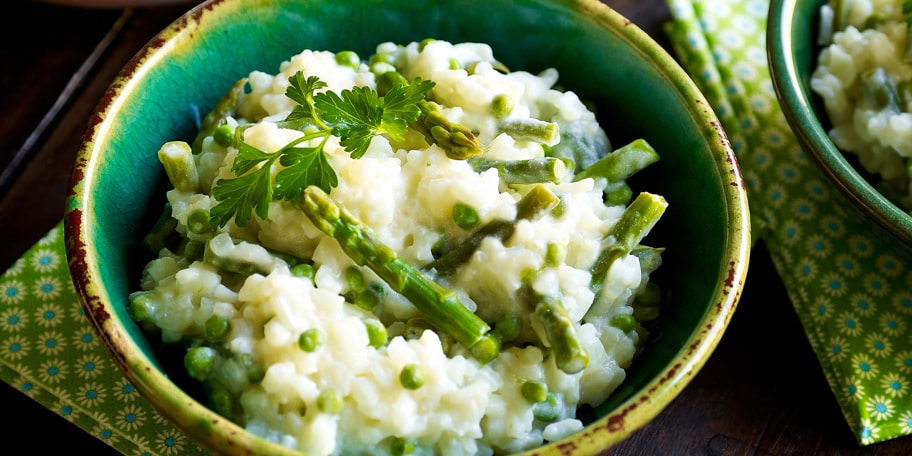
50, 353
848, 280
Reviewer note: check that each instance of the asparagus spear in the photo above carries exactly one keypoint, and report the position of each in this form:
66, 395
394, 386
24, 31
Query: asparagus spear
224, 108
568, 351
530, 171
622, 163
177, 159
458, 142
635, 223
538, 201
530, 129
439, 305
163, 233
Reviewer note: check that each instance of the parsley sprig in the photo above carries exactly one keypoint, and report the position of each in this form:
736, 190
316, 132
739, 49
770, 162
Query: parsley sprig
355, 116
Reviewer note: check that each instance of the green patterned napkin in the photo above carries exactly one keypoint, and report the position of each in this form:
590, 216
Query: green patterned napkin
52, 355
848, 280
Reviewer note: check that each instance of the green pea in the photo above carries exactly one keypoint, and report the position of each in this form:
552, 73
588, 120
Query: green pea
370, 298
376, 332
142, 307
388, 80
330, 402
304, 270
217, 327
534, 391
348, 59
502, 105
508, 326
200, 361
198, 221
411, 377
224, 135
555, 254
354, 278
623, 321
465, 216
310, 340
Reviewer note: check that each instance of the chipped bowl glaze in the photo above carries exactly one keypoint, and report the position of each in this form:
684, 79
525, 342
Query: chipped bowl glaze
115, 4
638, 88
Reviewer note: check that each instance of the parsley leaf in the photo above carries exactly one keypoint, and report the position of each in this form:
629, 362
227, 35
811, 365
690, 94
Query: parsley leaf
248, 157
241, 196
355, 116
402, 100
304, 166
301, 90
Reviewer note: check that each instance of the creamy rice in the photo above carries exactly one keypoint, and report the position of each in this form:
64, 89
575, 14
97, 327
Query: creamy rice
405, 192
864, 36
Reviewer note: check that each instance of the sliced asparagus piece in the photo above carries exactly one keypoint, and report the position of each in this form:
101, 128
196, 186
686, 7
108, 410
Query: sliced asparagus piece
537, 202
177, 159
569, 353
531, 129
635, 223
225, 107
529, 171
441, 306
458, 142
621, 163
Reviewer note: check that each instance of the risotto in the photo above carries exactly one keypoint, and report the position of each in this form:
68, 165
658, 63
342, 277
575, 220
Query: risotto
864, 77
420, 252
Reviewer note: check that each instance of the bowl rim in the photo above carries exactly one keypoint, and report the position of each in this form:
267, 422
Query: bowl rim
221, 434
808, 129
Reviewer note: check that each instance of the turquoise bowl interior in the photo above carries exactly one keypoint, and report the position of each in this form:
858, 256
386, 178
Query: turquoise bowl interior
792, 48
639, 90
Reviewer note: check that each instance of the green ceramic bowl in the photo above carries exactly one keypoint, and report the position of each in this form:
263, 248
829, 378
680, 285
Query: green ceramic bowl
792, 47
638, 88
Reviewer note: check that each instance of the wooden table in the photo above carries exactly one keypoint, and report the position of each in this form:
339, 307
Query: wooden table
756, 395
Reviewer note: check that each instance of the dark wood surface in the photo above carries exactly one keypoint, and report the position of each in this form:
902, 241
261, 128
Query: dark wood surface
755, 395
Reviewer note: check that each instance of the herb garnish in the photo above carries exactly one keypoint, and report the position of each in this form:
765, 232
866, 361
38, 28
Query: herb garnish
355, 116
